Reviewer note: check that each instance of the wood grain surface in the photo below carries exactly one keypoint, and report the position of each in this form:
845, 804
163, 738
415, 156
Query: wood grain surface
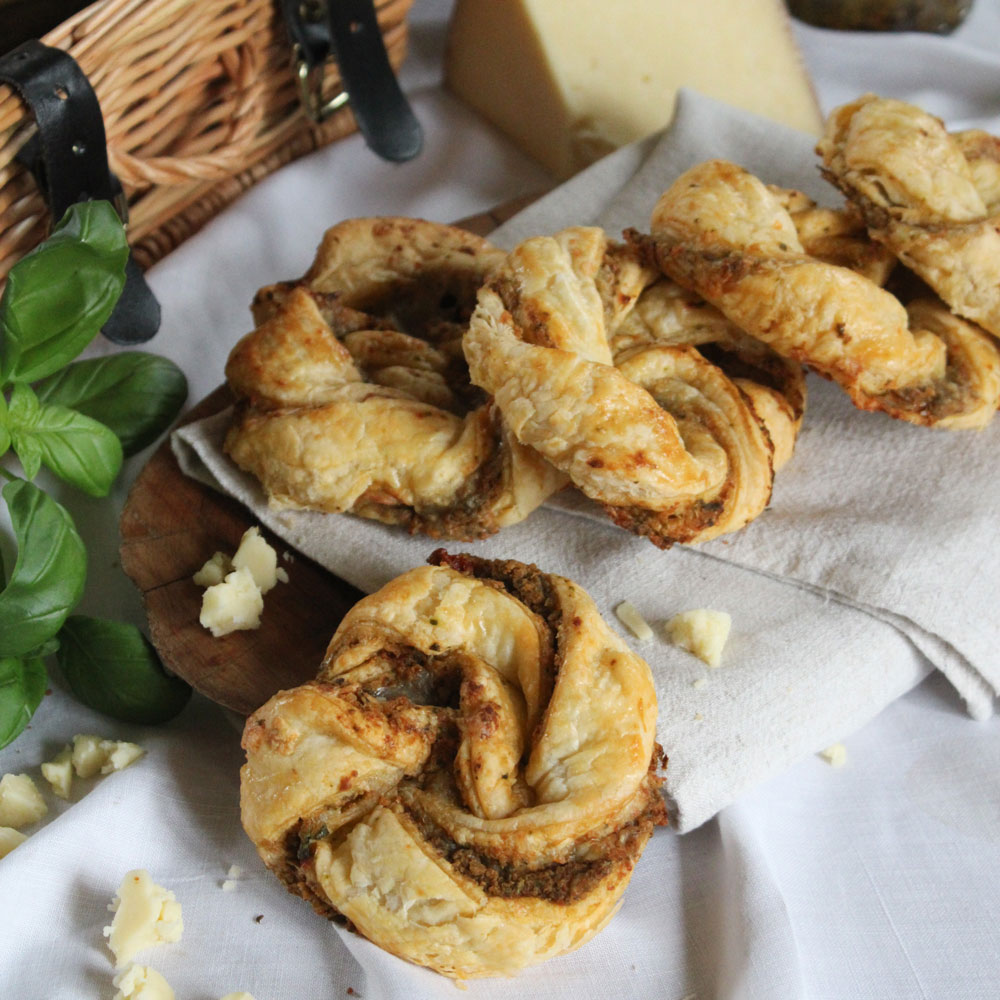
171, 524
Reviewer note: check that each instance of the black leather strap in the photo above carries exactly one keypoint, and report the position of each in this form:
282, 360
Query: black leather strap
69, 160
348, 31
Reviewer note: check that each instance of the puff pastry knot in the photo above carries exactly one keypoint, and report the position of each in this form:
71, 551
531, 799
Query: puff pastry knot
353, 394
596, 368
723, 234
931, 197
471, 777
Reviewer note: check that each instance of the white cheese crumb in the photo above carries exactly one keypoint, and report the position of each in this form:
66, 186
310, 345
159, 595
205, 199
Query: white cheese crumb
282, 574
9, 839
257, 556
699, 683
214, 571
21, 803
58, 772
628, 614
229, 885
90, 754
146, 914
702, 632
836, 755
140, 982
234, 871
234, 604
120, 755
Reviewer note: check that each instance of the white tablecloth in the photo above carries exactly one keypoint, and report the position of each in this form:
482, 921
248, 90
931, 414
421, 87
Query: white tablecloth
876, 879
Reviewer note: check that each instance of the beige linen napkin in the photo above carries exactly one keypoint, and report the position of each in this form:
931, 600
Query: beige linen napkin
873, 560
901, 522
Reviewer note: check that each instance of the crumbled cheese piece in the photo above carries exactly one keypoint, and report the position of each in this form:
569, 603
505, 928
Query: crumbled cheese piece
699, 682
146, 914
229, 885
21, 803
214, 571
90, 754
234, 604
258, 557
701, 632
9, 839
120, 755
140, 982
836, 755
282, 574
234, 871
58, 772
628, 615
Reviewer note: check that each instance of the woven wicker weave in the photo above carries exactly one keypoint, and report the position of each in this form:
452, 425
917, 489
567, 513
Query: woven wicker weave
199, 103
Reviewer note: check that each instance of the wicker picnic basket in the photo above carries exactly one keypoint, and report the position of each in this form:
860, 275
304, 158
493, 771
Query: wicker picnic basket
199, 101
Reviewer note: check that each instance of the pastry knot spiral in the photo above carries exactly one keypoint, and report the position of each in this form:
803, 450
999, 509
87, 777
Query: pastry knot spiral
929, 196
662, 438
353, 394
470, 778
720, 232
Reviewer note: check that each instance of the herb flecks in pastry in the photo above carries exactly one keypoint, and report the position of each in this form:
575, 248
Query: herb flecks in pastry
642, 422
354, 395
721, 233
471, 777
929, 196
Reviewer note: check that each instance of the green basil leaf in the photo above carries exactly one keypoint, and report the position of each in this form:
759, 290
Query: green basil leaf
22, 685
76, 448
136, 394
113, 668
60, 295
22, 411
49, 573
4, 433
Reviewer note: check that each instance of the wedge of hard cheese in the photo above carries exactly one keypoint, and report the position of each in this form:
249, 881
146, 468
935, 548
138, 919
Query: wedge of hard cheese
571, 80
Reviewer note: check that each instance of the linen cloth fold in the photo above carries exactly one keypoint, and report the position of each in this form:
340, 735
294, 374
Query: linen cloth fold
870, 566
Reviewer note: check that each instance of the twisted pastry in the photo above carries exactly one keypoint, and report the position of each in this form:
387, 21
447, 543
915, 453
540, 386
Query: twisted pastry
720, 232
471, 777
666, 443
354, 395
922, 197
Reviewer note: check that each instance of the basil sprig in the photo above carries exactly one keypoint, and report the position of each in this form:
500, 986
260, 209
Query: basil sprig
78, 419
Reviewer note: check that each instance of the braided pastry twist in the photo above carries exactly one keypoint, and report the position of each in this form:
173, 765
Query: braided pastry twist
354, 395
722, 233
665, 442
930, 197
470, 779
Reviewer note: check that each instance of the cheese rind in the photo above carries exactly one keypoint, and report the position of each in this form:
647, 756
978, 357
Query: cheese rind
570, 82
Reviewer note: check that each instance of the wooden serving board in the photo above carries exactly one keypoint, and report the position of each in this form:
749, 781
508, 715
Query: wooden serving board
170, 525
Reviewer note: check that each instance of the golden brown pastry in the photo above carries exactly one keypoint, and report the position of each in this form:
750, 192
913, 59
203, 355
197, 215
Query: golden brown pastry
661, 438
471, 777
720, 232
835, 235
354, 396
920, 196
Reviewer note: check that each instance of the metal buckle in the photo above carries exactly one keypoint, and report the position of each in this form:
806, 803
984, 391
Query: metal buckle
310, 84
